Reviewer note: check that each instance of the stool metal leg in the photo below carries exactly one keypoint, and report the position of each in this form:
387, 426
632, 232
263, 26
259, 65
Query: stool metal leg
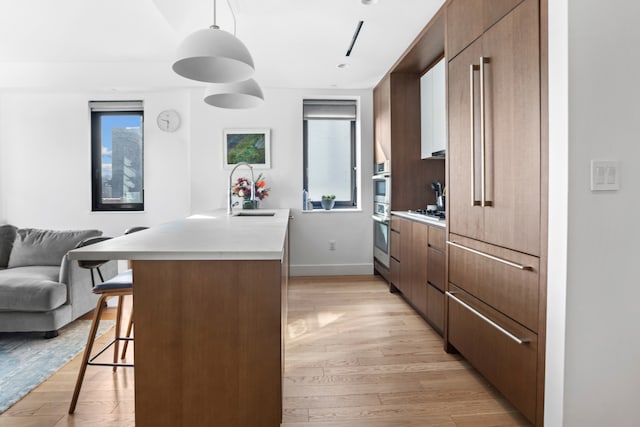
117, 338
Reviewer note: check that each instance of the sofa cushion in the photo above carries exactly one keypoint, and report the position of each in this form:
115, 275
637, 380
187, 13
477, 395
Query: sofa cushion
7, 236
44, 247
31, 289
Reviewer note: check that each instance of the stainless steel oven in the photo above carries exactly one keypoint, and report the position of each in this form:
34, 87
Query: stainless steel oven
381, 239
382, 188
381, 212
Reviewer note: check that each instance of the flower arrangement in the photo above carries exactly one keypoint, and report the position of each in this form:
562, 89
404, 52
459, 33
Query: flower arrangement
242, 188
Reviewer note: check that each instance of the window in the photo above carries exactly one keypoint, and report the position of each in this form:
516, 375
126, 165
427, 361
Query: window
330, 151
117, 156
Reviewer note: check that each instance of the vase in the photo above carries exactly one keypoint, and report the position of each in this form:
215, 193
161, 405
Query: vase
248, 204
328, 203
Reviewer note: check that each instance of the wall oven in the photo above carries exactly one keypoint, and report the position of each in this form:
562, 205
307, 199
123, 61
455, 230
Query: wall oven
381, 239
382, 188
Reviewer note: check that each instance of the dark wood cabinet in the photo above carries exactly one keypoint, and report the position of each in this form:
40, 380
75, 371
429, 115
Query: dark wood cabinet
418, 266
501, 349
417, 244
494, 160
504, 279
397, 140
468, 19
496, 297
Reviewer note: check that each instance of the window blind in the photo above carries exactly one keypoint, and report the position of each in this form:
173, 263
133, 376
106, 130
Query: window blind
329, 109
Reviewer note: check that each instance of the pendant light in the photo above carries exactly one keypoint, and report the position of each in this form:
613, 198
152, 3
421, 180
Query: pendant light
213, 55
245, 94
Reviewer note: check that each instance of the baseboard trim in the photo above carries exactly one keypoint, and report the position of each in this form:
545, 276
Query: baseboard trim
331, 269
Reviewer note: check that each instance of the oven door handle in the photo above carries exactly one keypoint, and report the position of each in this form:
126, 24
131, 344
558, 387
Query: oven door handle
380, 219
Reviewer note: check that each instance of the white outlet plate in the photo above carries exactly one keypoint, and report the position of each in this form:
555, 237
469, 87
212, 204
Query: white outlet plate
605, 175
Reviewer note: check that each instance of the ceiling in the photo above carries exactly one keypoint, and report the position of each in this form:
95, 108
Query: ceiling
128, 45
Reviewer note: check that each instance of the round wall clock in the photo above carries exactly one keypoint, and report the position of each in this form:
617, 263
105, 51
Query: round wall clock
169, 120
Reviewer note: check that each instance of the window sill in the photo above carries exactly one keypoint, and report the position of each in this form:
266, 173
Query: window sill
334, 210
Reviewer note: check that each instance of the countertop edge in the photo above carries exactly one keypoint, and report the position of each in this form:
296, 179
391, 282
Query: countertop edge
420, 218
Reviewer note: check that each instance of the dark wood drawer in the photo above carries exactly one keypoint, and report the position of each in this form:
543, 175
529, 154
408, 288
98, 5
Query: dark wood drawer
480, 269
508, 365
394, 244
395, 223
435, 308
394, 272
436, 238
435, 268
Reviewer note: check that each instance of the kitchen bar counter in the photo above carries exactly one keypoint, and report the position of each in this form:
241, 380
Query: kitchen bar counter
422, 218
210, 236
210, 310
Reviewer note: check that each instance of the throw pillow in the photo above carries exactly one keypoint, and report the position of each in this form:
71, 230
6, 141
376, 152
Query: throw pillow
7, 236
45, 247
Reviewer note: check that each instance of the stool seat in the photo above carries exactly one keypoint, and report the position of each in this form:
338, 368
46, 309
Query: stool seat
122, 280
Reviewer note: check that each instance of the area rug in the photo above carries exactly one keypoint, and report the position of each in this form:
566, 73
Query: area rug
27, 359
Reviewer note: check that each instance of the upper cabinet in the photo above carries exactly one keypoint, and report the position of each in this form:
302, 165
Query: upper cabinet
396, 102
468, 19
433, 111
494, 133
397, 115
382, 121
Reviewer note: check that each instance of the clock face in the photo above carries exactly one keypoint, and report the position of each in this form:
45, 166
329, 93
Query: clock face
169, 120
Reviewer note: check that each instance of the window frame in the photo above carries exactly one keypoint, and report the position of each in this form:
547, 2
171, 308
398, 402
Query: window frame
96, 161
339, 204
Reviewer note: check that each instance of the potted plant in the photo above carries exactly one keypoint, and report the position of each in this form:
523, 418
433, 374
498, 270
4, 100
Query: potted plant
328, 201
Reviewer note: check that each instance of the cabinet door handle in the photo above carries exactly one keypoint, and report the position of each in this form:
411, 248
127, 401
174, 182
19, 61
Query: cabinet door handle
483, 173
494, 258
486, 319
472, 69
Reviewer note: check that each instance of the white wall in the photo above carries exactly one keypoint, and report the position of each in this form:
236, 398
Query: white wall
310, 233
600, 376
46, 163
45, 169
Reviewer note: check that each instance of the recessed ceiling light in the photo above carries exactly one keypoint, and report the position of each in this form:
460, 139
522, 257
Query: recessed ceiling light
343, 65
368, 2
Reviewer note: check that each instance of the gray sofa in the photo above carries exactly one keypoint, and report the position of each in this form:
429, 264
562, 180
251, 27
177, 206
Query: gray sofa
41, 290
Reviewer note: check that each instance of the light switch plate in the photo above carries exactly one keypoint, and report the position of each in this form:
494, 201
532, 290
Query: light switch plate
605, 175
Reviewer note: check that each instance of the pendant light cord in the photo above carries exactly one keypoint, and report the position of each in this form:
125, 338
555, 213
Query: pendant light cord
215, 24
234, 17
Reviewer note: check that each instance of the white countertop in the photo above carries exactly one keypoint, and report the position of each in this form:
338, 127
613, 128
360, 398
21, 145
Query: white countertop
421, 218
210, 236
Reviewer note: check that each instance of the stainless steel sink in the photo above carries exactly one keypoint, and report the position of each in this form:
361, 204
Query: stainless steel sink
254, 212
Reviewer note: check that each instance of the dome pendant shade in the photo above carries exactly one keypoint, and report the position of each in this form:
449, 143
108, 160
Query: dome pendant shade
214, 56
246, 94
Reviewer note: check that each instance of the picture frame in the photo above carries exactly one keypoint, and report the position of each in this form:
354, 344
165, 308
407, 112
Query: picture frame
247, 145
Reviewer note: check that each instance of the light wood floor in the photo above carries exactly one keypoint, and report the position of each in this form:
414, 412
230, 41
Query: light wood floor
356, 356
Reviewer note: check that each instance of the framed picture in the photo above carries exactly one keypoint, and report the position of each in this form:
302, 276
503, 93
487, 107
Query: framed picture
247, 145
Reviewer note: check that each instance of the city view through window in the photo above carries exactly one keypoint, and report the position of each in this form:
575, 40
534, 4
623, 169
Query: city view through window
121, 159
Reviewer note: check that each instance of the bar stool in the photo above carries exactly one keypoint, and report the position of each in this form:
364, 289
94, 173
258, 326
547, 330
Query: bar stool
120, 285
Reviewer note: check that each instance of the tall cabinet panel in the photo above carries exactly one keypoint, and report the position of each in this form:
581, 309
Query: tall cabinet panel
465, 217
494, 135
512, 130
496, 298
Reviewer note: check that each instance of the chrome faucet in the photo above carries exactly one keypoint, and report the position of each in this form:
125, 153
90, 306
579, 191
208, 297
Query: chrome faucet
230, 190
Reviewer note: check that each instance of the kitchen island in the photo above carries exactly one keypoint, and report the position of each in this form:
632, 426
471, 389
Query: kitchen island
210, 312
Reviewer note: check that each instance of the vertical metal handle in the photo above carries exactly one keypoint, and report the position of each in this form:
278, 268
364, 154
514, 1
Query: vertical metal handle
472, 69
483, 172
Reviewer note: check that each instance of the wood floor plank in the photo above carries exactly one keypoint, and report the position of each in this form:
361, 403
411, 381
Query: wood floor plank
355, 356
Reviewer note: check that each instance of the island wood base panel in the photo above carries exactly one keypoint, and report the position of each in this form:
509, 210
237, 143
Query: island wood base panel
208, 343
